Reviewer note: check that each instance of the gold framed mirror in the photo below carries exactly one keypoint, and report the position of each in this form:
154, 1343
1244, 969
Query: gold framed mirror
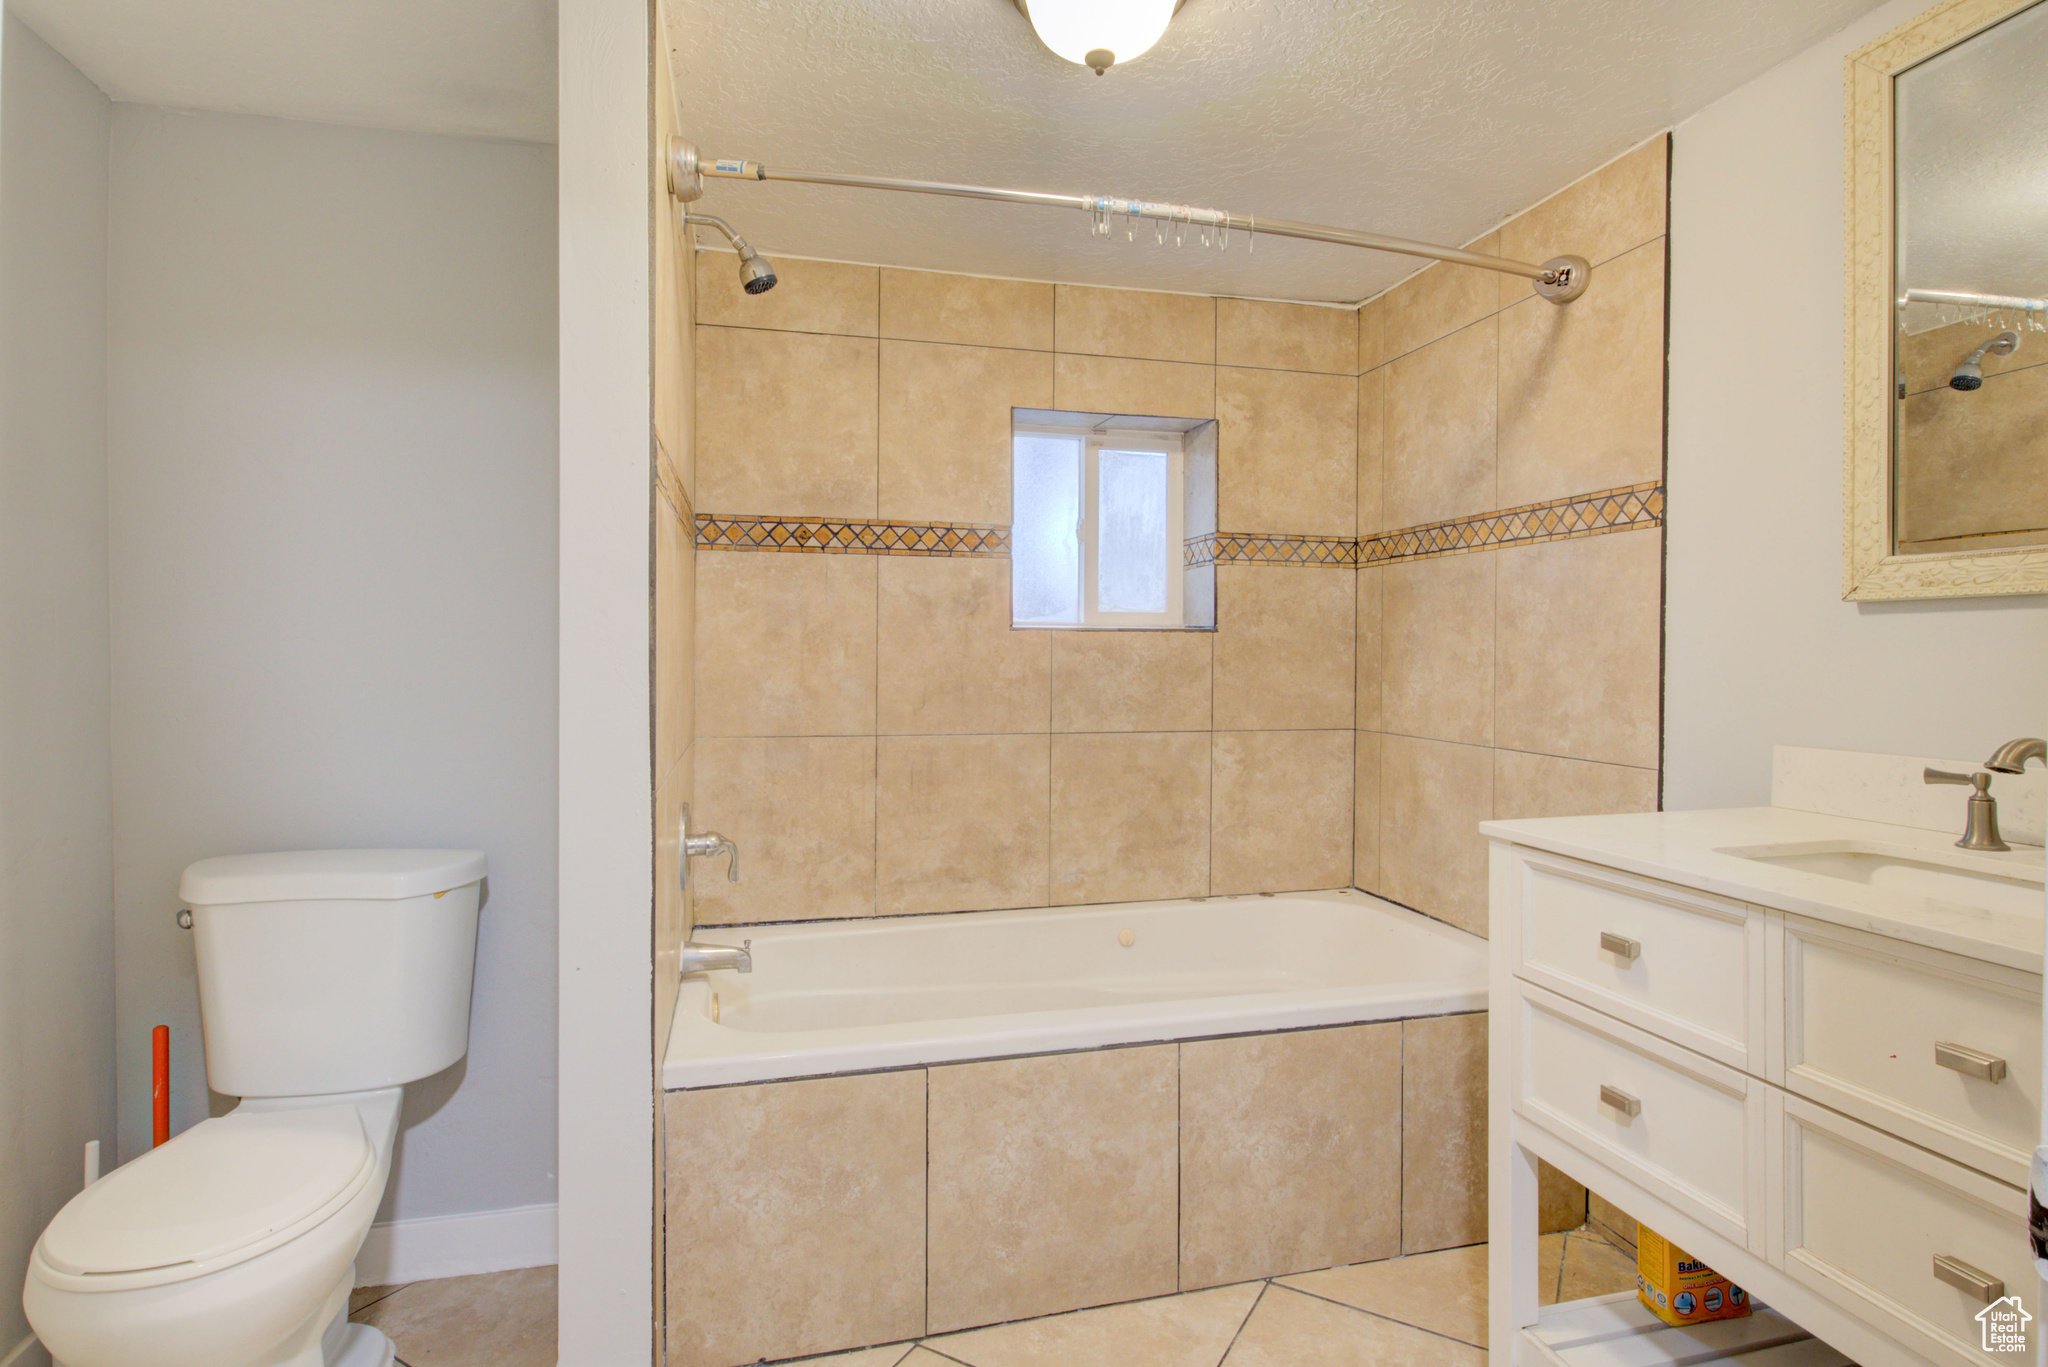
1946, 485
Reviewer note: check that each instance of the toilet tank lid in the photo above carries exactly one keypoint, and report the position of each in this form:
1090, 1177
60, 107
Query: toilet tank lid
318, 875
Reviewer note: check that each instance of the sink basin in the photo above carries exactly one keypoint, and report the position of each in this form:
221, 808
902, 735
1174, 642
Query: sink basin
1995, 882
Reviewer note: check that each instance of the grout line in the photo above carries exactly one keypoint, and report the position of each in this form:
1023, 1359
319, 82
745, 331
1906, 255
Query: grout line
1231, 1347
1377, 1315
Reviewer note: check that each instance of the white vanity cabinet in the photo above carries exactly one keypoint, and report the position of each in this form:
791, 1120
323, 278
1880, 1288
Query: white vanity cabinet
1838, 1120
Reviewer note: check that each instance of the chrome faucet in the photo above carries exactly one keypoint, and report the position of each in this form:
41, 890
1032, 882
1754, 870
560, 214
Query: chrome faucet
697, 846
2012, 756
696, 958
1980, 828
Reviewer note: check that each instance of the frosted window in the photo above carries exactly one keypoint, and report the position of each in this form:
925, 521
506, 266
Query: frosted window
1045, 542
1132, 488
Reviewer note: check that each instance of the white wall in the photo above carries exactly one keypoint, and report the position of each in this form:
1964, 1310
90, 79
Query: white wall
1760, 649
332, 461
56, 818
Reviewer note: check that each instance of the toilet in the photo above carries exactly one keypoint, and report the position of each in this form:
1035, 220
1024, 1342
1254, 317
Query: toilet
328, 979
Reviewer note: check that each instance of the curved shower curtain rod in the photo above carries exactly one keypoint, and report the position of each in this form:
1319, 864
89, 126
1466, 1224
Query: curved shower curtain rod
1560, 279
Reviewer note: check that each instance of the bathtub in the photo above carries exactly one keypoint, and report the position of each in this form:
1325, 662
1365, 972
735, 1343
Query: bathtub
855, 996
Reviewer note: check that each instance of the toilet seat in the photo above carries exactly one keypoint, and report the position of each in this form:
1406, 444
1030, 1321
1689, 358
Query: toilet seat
219, 1194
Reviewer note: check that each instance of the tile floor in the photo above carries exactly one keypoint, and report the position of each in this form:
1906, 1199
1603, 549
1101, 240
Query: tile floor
1425, 1310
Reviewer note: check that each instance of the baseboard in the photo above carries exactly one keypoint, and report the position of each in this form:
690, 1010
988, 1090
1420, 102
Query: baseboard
27, 1353
454, 1246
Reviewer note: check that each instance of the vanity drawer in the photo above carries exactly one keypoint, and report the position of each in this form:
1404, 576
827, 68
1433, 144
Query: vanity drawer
1683, 965
1685, 1128
1903, 1038
1867, 1216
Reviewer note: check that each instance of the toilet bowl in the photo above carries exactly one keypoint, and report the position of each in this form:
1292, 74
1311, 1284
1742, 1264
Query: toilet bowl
234, 1244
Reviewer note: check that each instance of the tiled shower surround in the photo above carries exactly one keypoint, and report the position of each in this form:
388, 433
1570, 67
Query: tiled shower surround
1439, 578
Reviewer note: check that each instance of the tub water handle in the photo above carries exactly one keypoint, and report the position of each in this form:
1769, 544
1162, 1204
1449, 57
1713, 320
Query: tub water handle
697, 846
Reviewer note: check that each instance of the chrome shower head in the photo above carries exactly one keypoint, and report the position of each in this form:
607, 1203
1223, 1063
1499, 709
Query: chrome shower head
1970, 374
756, 275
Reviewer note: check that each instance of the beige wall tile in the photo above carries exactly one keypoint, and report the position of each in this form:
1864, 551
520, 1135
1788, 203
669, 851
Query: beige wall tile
1526, 786
785, 644
1150, 389
945, 428
1290, 1329
1971, 462
1281, 811
961, 822
1438, 301
802, 811
1560, 1202
1130, 817
675, 630
1287, 452
950, 662
1256, 332
1365, 813
1577, 646
1284, 644
1372, 334
1582, 387
1437, 620
1617, 208
1433, 795
809, 296
1137, 323
672, 919
926, 306
1371, 661
1438, 457
1372, 447
1191, 1330
1611, 1218
1051, 1184
1444, 1292
1443, 1109
781, 1244
1290, 1152
785, 423
1130, 680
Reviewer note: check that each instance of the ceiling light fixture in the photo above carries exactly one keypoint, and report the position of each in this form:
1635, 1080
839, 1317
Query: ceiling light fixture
1099, 33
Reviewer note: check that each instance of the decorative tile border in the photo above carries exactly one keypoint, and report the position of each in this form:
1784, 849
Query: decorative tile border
1252, 548
848, 536
1610, 510
1562, 519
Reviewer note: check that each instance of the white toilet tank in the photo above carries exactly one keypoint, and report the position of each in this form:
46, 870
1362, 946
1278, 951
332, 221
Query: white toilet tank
333, 970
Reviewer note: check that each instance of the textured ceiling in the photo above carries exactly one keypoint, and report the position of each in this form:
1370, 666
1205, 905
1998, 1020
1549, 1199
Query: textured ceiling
484, 67
1973, 163
1432, 119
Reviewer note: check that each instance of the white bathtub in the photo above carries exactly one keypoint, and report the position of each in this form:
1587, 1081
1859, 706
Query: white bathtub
849, 996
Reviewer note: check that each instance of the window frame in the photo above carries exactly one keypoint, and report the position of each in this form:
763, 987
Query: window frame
1093, 441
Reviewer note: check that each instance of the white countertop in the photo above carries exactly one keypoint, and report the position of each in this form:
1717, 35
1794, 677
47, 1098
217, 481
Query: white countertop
1685, 848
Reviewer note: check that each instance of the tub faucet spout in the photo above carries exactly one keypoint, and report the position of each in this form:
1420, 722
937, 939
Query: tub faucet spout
698, 958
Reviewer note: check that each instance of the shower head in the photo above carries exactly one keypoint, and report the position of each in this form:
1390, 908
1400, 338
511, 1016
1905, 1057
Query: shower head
1970, 374
756, 275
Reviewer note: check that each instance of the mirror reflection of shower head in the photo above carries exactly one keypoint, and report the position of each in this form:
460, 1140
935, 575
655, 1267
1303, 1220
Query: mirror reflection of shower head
1970, 374
756, 275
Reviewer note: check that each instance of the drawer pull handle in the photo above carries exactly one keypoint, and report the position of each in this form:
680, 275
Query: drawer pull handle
1620, 946
1630, 1106
1964, 1277
1970, 1062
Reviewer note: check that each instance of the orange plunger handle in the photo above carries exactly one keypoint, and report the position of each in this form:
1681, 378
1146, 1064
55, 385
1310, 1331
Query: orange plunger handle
160, 1084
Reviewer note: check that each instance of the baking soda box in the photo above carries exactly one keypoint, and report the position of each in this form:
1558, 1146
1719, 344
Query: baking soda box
1680, 1289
